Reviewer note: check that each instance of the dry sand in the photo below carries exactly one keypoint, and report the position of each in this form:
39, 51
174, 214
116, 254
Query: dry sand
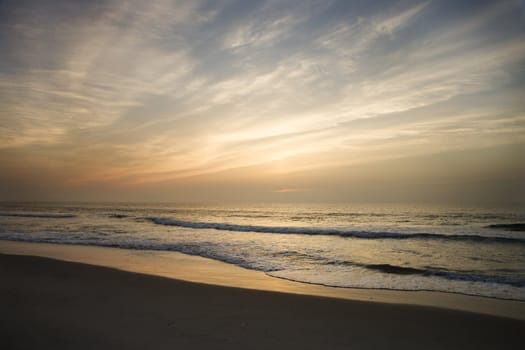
51, 304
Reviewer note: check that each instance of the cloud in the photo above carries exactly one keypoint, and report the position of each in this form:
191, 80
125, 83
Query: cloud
291, 190
137, 92
392, 23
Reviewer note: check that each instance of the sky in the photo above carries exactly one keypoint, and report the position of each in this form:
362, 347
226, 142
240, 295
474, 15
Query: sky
211, 100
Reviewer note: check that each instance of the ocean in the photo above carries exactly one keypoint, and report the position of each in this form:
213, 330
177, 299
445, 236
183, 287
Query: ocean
474, 251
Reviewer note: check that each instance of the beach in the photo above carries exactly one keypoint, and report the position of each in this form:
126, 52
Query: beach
262, 174
48, 303
347, 246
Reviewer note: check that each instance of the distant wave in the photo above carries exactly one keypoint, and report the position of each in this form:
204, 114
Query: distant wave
328, 232
509, 227
49, 216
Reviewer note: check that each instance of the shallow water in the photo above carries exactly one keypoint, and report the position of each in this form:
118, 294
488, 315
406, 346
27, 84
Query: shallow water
477, 251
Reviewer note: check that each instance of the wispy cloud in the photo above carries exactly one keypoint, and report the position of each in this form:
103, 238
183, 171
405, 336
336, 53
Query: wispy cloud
140, 92
291, 190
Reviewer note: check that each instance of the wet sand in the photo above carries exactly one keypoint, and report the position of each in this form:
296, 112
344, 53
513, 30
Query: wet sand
52, 304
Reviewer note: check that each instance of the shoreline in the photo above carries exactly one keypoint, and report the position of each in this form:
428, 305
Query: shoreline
195, 269
48, 303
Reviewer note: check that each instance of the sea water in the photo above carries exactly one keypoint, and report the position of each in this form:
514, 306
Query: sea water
476, 251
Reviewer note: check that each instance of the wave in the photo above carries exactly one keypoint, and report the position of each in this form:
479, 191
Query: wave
397, 270
269, 268
509, 227
118, 216
329, 232
200, 250
450, 275
48, 216
436, 272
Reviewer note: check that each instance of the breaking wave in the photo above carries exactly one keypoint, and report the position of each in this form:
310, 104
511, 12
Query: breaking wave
329, 232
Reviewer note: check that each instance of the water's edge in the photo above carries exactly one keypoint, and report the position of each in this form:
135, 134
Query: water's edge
197, 269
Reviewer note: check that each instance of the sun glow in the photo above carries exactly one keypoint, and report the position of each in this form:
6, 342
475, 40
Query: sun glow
141, 95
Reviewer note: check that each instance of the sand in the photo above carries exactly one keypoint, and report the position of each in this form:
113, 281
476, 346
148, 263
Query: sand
54, 304
190, 268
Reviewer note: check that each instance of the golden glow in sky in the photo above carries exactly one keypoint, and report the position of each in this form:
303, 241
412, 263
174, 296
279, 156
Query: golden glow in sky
262, 100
